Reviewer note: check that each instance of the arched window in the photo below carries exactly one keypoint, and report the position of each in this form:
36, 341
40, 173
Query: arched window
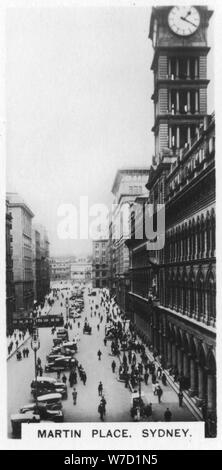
179, 244
185, 241
173, 284
211, 298
193, 239
184, 293
208, 235
202, 236
200, 296
178, 288
192, 295
198, 237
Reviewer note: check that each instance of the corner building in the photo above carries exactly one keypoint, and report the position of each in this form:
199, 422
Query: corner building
173, 290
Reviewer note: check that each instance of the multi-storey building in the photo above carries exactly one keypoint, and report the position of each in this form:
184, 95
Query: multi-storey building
36, 265
81, 270
100, 274
21, 253
61, 267
128, 184
173, 291
10, 288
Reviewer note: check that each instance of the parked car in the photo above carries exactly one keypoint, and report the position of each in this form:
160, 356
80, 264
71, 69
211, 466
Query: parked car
44, 411
48, 385
60, 363
52, 400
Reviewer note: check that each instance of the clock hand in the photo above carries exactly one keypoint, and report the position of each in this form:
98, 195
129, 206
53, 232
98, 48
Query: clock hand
188, 21
188, 13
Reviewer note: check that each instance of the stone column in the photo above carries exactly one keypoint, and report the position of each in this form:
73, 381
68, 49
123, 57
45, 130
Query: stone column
196, 68
177, 68
180, 360
211, 392
170, 136
192, 376
200, 382
177, 102
188, 101
161, 343
169, 353
178, 138
188, 68
196, 102
174, 355
186, 369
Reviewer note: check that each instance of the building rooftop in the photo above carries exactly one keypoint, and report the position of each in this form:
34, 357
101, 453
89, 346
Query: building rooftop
15, 200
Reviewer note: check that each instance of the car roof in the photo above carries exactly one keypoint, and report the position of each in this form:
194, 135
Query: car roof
53, 396
24, 417
47, 379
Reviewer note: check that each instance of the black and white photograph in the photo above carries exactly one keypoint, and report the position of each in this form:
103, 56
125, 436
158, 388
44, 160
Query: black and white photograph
109, 219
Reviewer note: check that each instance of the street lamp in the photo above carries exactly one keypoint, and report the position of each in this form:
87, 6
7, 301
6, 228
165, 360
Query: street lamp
35, 345
67, 310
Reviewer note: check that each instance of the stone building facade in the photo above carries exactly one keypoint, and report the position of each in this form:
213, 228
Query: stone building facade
173, 290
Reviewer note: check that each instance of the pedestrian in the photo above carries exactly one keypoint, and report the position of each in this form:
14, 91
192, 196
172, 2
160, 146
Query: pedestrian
159, 372
98, 327
84, 378
23, 352
146, 377
163, 378
159, 393
127, 381
74, 396
101, 411
100, 388
113, 365
99, 354
58, 374
103, 403
16, 343
167, 415
105, 341
153, 378
64, 379
180, 396
148, 410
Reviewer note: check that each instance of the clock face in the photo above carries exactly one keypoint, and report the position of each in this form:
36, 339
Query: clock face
184, 20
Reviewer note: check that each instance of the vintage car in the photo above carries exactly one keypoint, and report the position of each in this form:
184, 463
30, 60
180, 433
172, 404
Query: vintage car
70, 345
60, 363
52, 400
62, 333
48, 385
19, 418
140, 406
87, 329
44, 411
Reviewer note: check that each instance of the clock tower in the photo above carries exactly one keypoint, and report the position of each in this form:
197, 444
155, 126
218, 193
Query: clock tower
179, 37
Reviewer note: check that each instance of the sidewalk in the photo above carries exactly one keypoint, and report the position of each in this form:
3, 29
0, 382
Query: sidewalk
44, 311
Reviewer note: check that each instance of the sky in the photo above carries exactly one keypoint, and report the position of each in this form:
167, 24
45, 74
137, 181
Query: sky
79, 86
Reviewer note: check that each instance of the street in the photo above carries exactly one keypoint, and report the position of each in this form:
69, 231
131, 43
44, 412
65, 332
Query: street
21, 373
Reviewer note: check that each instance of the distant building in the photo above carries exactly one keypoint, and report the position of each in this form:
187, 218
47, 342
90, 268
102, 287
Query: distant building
44, 265
100, 263
21, 253
81, 270
128, 184
10, 288
61, 267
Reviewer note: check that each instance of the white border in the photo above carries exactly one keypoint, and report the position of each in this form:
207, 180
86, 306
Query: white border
205, 444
